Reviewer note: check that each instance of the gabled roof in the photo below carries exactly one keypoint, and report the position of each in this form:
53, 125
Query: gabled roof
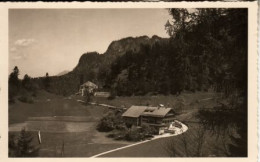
156, 111
134, 111
89, 84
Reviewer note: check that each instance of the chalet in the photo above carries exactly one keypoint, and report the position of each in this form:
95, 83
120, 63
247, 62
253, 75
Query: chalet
158, 117
88, 87
132, 116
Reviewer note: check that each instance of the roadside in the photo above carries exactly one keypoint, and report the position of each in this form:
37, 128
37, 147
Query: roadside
178, 131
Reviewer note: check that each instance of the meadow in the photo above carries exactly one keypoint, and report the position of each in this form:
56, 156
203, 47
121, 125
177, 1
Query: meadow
65, 120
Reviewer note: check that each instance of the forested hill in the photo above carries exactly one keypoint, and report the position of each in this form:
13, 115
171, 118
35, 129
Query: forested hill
96, 67
206, 49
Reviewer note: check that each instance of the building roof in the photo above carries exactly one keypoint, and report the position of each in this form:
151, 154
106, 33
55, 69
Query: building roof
89, 84
134, 111
156, 111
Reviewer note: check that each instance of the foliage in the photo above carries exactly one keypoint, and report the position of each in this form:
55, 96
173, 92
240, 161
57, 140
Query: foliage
22, 147
14, 84
222, 119
111, 121
133, 133
22, 87
192, 144
47, 81
210, 50
186, 62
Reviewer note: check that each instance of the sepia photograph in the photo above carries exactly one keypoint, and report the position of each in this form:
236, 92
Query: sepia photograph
128, 82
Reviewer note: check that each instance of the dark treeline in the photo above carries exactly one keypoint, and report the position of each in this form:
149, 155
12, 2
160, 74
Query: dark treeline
207, 48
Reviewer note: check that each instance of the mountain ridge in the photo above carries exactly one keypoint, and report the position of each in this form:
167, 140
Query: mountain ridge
96, 67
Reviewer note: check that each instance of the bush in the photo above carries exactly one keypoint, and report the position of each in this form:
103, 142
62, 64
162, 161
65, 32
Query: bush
148, 131
105, 125
111, 121
135, 134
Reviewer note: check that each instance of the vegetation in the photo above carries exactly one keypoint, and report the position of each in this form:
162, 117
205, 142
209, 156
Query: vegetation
112, 120
22, 146
133, 133
216, 60
24, 89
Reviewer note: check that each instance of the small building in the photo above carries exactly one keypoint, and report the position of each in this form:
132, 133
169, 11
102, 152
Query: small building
102, 94
158, 117
88, 88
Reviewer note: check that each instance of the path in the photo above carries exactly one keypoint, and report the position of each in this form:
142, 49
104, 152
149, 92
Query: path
104, 105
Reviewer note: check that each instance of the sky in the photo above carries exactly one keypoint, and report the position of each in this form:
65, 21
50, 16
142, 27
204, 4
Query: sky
52, 40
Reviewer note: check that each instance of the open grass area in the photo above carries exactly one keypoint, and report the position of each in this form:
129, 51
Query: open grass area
65, 119
49, 105
61, 119
186, 98
76, 144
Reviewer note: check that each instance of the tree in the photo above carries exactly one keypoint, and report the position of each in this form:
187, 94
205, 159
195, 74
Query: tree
26, 82
192, 143
13, 84
47, 81
22, 147
13, 77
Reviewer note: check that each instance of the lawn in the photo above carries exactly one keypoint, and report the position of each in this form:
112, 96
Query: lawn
64, 119
76, 144
186, 98
61, 119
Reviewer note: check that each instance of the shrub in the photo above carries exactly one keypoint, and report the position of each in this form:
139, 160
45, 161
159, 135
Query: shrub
111, 121
135, 134
106, 124
148, 131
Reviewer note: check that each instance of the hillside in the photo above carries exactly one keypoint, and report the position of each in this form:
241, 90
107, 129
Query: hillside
96, 67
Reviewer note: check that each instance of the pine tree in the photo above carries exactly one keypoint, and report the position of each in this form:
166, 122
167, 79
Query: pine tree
24, 145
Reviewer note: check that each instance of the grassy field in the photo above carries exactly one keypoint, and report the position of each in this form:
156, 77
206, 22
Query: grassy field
76, 144
64, 119
187, 99
61, 119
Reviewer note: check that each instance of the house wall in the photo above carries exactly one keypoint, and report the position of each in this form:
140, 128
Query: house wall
166, 121
151, 120
131, 121
102, 94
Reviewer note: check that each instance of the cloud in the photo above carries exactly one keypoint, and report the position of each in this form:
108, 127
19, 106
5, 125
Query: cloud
19, 50
24, 42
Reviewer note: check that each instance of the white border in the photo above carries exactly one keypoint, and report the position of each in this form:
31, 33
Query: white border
252, 72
